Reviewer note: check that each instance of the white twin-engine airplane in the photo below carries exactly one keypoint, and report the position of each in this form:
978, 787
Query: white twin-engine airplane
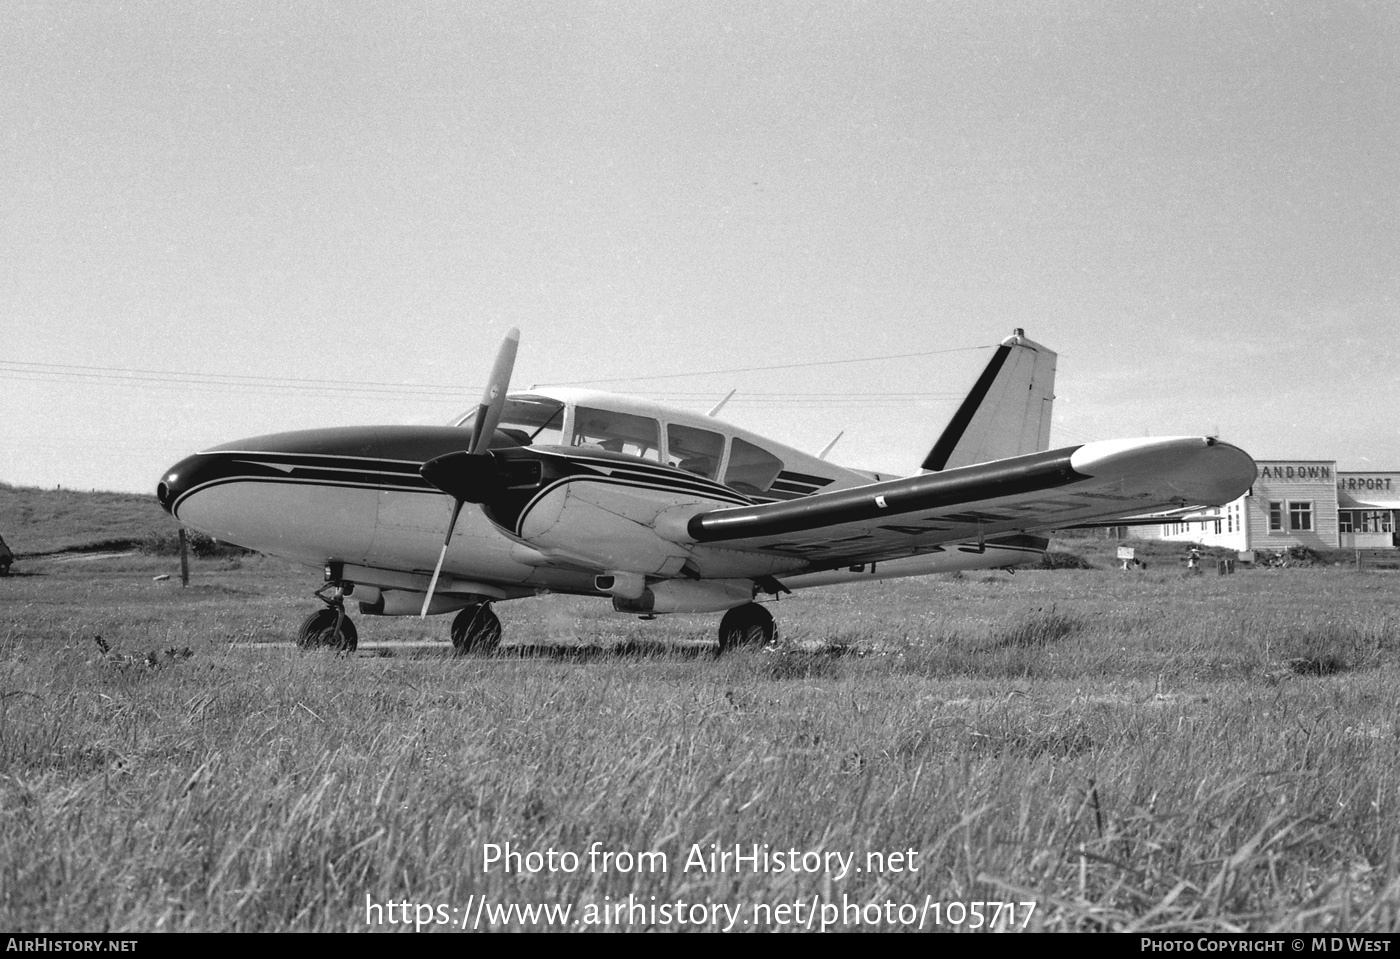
663, 510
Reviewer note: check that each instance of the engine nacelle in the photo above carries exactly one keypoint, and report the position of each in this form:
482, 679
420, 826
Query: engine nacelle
688, 596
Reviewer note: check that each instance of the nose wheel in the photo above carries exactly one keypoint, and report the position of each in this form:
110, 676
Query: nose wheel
328, 628
476, 630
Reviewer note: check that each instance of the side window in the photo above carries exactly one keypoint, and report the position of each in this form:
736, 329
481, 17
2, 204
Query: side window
617, 432
751, 468
694, 450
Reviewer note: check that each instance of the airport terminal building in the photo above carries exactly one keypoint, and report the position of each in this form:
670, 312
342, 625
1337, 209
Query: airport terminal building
1298, 503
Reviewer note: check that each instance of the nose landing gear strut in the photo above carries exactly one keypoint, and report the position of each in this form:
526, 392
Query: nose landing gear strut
329, 628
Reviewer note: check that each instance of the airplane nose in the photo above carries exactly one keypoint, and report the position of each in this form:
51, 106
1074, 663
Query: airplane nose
175, 483
167, 489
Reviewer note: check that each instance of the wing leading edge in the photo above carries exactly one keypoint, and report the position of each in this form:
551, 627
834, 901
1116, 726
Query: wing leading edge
1033, 492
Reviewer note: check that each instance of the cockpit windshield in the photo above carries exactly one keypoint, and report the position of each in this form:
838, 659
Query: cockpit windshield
529, 420
617, 431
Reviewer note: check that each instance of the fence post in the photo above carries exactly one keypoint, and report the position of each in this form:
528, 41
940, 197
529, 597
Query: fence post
184, 559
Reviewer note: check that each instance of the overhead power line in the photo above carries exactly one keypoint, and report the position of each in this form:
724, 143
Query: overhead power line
239, 383
761, 369
463, 394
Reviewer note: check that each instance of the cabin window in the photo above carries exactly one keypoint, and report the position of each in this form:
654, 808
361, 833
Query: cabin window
694, 450
752, 469
528, 420
617, 432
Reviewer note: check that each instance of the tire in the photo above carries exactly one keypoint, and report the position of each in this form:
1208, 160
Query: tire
318, 631
747, 625
476, 630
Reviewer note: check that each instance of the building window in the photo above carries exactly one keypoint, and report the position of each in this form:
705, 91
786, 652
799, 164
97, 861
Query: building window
1275, 517
1372, 521
1299, 515
1344, 521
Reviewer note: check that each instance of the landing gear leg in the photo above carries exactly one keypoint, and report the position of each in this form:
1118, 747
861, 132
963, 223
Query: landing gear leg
747, 625
476, 630
330, 627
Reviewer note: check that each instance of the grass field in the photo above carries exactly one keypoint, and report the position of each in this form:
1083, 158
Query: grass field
1127, 751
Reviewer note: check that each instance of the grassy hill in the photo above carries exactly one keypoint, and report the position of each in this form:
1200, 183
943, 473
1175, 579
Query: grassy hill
38, 521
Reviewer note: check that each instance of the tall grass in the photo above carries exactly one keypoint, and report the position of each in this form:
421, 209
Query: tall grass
1129, 752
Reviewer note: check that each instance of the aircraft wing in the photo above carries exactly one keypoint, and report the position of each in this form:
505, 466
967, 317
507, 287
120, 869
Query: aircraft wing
1034, 492
1191, 514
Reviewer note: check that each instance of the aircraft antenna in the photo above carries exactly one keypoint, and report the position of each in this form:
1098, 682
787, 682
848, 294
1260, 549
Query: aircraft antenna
822, 454
720, 405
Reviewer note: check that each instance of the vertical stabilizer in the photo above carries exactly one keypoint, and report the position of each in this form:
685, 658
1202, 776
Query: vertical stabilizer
1008, 411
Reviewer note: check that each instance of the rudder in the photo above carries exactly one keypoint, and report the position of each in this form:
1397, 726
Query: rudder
1007, 413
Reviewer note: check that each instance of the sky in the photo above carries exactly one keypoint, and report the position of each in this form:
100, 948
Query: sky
234, 218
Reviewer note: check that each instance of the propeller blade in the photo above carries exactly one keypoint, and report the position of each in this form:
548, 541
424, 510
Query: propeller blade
493, 400
469, 477
437, 570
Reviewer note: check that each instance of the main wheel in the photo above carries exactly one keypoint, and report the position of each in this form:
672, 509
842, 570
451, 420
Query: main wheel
319, 630
476, 630
747, 625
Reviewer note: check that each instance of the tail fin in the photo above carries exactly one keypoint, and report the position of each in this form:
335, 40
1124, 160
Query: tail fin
1008, 411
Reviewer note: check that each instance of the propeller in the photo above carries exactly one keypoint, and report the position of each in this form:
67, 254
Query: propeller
469, 476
